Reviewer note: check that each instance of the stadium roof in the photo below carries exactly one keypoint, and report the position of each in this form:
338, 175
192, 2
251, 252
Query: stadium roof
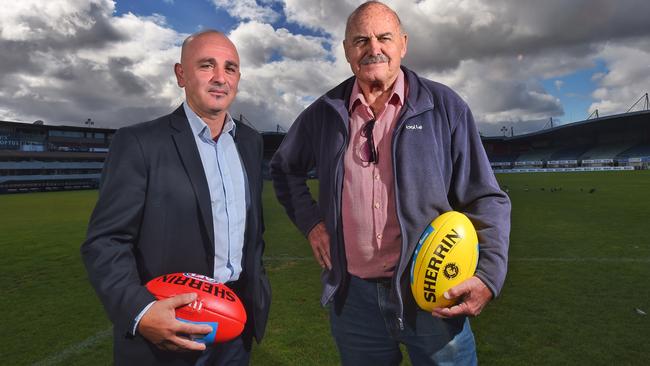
54, 127
632, 120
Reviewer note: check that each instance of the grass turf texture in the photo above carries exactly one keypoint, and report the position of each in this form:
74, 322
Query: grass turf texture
579, 269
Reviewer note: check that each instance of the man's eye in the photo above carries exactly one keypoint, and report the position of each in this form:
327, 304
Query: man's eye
206, 66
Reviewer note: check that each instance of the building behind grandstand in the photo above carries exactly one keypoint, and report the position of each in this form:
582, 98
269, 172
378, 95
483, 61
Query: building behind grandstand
38, 157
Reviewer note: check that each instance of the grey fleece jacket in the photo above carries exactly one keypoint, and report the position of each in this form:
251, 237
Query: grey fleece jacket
439, 165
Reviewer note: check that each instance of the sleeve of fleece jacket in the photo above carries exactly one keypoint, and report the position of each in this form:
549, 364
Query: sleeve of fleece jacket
289, 167
475, 191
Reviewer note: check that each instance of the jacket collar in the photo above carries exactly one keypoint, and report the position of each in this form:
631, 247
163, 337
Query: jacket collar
179, 120
419, 98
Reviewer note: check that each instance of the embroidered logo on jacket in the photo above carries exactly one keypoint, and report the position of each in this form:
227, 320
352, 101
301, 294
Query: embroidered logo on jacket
414, 127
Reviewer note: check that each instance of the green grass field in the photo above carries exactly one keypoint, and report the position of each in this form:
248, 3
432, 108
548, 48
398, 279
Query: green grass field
577, 284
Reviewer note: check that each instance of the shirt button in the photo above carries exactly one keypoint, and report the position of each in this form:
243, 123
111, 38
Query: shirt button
379, 236
376, 176
377, 205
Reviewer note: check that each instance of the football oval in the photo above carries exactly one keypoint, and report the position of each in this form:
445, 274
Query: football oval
215, 305
446, 255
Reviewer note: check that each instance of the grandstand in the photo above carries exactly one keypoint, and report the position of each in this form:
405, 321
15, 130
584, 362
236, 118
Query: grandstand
37, 157
617, 142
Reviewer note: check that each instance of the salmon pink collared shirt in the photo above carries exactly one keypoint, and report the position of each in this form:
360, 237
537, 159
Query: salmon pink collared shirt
371, 230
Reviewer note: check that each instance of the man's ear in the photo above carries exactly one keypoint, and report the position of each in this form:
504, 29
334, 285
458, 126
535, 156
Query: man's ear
345, 51
405, 46
178, 71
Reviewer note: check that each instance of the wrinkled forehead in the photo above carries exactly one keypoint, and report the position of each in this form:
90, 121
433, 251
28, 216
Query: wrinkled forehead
372, 19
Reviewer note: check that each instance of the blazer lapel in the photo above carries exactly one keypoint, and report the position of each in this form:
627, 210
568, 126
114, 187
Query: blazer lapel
248, 159
189, 154
245, 153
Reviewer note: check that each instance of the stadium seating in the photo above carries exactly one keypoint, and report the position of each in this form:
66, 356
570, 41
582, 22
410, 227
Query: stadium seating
605, 151
537, 155
569, 153
638, 151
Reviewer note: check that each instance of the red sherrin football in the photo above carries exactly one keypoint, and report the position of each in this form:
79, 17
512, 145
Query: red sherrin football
215, 305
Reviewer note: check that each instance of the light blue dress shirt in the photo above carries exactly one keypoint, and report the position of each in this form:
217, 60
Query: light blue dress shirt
228, 197
227, 183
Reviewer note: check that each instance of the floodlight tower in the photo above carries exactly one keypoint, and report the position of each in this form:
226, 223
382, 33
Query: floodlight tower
643, 97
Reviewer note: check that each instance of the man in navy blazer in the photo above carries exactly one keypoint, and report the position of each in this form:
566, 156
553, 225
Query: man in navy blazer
181, 193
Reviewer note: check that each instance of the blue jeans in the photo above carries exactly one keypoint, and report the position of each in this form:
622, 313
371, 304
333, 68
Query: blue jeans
365, 332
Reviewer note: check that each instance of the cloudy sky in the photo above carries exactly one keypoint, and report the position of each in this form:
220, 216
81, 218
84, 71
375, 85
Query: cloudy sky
516, 62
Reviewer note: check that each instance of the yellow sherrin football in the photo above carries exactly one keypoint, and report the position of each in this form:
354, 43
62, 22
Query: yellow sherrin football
446, 255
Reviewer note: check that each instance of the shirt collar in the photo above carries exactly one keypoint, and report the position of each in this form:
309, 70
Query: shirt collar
200, 128
398, 93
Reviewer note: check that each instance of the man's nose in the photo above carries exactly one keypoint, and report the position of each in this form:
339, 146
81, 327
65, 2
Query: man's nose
218, 76
375, 46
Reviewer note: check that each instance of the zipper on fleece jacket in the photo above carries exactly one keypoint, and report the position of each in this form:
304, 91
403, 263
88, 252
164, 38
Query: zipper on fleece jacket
398, 273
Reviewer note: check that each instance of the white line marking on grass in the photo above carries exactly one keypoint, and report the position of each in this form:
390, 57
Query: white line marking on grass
76, 348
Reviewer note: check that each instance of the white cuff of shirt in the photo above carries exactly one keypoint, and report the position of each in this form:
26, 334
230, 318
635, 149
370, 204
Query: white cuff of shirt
140, 315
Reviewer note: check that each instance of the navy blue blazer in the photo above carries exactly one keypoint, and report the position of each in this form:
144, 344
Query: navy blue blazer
154, 216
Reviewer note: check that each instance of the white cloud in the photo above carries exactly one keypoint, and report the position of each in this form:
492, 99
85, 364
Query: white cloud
325, 15
281, 73
247, 10
83, 62
628, 77
259, 43
29, 20
69, 60
500, 89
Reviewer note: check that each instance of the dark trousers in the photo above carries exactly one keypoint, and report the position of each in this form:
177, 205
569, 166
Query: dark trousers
232, 353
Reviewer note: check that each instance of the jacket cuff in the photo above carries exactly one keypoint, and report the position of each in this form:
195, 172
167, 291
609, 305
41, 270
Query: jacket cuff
483, 277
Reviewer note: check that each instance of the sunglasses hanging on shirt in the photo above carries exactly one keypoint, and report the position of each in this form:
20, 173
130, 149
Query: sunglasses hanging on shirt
368, 150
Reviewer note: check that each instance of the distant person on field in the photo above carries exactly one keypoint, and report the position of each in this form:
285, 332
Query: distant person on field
182, 193
392, 151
